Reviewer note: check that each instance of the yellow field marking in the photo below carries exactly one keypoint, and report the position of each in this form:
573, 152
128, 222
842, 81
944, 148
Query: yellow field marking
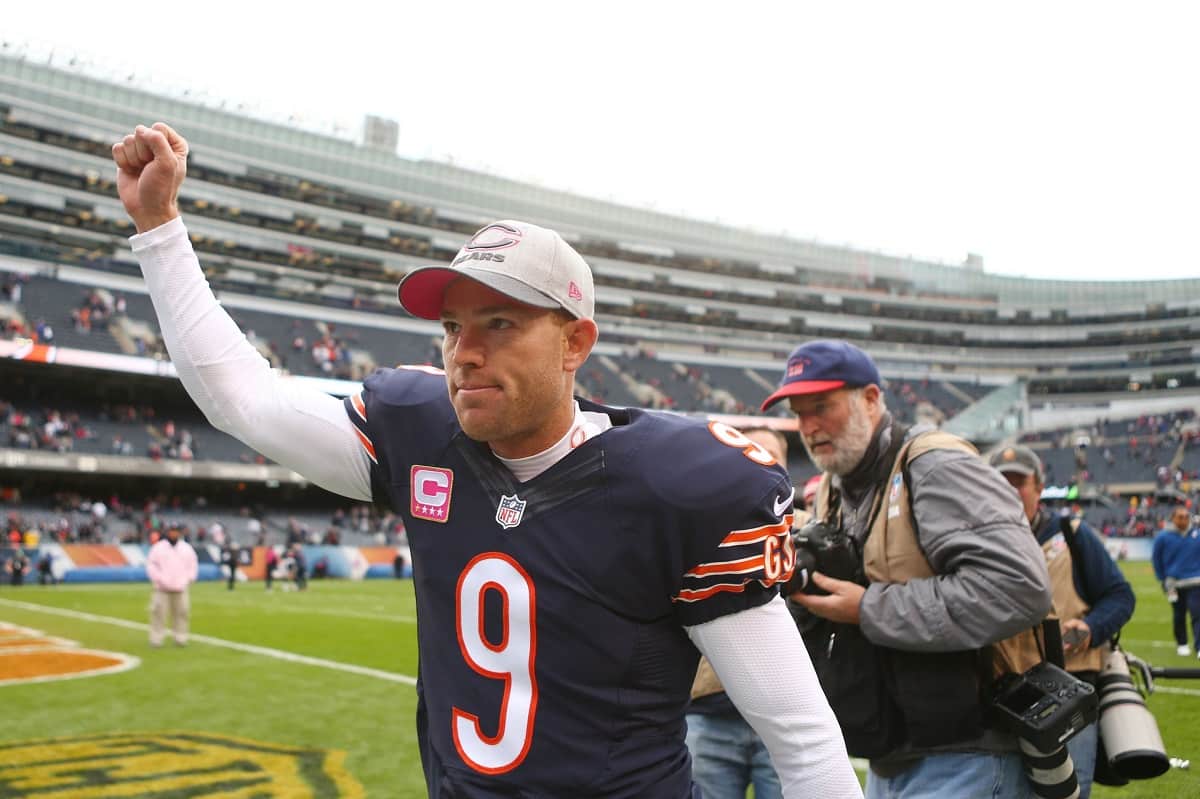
168, 763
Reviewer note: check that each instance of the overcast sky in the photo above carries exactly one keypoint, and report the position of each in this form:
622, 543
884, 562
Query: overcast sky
1055, 139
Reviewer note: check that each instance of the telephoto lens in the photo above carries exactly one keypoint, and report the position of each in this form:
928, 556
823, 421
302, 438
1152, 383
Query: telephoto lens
1131, 738
1051, 774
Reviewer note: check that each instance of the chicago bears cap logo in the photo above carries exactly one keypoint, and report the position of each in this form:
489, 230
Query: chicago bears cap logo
429, 493
496, 236
510, 511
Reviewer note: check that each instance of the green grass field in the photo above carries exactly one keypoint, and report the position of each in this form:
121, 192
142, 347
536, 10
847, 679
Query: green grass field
353, 695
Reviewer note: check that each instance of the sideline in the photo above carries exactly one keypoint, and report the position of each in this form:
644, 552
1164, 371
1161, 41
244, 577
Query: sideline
219, 598
278, 654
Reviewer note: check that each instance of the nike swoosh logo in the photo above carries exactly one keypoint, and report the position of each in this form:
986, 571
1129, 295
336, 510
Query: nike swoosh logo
782, 505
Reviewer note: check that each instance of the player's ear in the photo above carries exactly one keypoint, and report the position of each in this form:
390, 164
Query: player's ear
579, 336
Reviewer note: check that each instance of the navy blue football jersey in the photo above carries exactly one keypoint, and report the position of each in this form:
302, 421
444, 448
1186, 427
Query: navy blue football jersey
553, 659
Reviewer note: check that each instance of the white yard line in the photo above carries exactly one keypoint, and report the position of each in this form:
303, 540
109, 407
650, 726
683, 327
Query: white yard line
222, 600
1159, 688
349, 614
278, 654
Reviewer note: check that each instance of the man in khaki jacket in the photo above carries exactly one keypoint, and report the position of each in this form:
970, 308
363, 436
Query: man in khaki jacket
1092, 599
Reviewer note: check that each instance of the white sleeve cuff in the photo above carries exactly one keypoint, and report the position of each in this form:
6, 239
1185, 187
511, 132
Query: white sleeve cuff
163, 232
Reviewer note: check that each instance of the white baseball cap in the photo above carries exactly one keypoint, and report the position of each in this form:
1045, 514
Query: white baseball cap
530, 264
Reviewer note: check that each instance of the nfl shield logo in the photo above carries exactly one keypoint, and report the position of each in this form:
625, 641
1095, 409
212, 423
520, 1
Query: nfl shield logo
510, 511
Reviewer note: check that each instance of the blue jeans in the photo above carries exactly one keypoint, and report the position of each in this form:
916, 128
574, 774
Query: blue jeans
1083, 751
961, 775
728, 756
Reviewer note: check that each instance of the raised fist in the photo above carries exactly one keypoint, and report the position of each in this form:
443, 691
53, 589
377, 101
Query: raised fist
151, 164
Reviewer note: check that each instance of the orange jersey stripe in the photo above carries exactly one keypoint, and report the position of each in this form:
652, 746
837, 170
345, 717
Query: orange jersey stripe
695, 595
754, 535
359, 407
367, 445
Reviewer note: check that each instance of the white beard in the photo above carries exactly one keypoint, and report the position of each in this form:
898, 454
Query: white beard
850, 446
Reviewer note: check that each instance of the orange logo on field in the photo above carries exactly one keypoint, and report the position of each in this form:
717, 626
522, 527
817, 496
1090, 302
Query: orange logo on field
28, 655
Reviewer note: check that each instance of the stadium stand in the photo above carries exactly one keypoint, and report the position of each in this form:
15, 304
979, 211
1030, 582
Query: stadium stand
304, 236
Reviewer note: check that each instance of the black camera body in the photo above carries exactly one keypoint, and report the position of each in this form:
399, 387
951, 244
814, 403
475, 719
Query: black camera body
822, 547
1045, 706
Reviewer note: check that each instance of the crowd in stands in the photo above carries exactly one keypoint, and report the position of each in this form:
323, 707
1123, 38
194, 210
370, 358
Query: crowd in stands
96, 308
50, 429
876, 298
1107, 451
1161, 450
56, 430
71, 518
12, 323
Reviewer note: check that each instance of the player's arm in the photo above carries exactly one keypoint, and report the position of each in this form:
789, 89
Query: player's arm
301, 428
763, 665
1104, 587
990, 574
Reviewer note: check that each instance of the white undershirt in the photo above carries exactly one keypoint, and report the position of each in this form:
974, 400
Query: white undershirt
757, 653
586, 425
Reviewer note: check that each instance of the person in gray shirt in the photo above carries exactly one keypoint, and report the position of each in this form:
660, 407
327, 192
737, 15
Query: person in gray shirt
945, 567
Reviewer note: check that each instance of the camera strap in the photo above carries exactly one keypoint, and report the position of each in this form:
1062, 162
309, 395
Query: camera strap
1050, 646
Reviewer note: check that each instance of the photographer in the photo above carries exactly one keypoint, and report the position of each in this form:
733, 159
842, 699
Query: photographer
1092, 599
943, 567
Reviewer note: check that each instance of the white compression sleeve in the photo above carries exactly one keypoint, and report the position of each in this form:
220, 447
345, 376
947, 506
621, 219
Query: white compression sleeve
763, 665
299, 427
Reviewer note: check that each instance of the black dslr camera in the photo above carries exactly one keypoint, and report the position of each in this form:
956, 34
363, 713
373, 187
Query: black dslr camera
827, 549
1045, 706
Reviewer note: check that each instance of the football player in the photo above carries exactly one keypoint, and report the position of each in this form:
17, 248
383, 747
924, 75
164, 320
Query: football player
569, 558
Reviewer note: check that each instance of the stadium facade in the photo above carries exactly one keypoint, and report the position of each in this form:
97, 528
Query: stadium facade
695, 315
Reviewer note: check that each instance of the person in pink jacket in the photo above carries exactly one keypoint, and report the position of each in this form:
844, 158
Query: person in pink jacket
172, 567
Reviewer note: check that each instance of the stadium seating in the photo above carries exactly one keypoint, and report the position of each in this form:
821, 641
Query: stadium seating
304, 249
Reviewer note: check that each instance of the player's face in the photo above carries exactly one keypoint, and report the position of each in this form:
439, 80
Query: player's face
509, 368
1028, 489
836, 426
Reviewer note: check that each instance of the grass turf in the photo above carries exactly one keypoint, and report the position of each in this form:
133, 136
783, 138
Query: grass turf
208, 687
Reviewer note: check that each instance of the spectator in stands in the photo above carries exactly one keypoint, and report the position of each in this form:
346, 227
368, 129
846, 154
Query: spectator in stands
532, 341
1176, 559
172, 566
948, 571
254, 531
727, 755
99, 513
1092, 599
